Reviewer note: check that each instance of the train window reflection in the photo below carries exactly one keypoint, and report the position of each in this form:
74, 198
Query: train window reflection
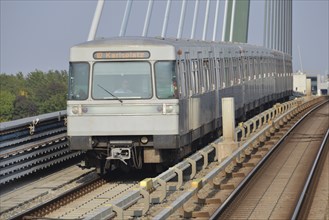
78, 81
124, 80
166, 81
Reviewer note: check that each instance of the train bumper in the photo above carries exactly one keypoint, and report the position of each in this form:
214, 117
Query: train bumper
123, 125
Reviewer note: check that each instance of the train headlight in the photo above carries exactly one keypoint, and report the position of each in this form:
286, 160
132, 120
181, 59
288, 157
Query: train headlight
144, 140
75, 109
84, 109
169, 108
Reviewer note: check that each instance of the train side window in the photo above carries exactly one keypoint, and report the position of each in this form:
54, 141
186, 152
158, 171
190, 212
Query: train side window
240, 64
200, 73
206, 75
265, 66
181, 65
273, 66
231, 73
191, 79
268, 66
187, 75
195, 80
78, 81
212, 72
217, 72
192, 84
256, 66
262, 66
165, 80
235, 71
251, 68
222, 73
227, 72
246, 69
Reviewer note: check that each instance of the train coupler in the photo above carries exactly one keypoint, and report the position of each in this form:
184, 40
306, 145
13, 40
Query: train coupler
119, 150
121, 153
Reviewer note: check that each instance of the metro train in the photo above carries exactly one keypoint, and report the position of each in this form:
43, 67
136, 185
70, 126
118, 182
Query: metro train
134, 101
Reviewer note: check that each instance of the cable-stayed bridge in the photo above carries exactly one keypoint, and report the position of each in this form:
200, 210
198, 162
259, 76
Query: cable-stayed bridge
234, 21
189, 18
185, 91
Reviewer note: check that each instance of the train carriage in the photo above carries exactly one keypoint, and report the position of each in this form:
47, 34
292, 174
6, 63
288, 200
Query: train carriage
135, 101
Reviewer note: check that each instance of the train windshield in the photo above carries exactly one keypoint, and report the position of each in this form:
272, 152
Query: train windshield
165, 76
122, 80
78, 81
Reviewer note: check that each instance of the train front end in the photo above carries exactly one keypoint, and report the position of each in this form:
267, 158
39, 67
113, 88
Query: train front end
122, 104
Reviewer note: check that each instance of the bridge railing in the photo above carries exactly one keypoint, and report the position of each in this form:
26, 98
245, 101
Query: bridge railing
33, 143
250, 133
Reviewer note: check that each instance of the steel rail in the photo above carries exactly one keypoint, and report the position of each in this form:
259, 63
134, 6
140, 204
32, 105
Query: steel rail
273, 116
26, 214
310, 178
277, 114
259, 165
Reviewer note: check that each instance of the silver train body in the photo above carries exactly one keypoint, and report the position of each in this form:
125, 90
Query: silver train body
135, 101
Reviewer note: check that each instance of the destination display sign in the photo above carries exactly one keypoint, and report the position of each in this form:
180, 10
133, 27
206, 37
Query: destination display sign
122, 55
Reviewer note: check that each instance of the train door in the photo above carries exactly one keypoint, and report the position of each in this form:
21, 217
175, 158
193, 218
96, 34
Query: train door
183, 70
218, 85
194, 104
194, 94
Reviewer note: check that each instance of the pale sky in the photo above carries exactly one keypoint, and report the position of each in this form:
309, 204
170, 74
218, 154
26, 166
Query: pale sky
38, 34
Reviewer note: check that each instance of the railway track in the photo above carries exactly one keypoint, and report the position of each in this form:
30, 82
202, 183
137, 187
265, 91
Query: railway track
318, 206
96, 198
273, 191
190, 188
77, 198
19, 200
313, 202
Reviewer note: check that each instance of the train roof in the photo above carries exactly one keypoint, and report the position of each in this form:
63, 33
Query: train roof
124, 41
158, 41
184, 44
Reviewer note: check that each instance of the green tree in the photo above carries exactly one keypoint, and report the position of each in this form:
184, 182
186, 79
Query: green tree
43, 87
36, 87
24, 107
6, 106
37, 93
54, 103
12, 83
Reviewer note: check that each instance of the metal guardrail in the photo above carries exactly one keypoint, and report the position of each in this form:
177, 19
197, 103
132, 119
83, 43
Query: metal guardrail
14, 132
31, 144
249, 133
274, 117
227, 201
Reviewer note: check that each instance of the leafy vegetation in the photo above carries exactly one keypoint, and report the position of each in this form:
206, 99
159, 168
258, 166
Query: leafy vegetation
37, 93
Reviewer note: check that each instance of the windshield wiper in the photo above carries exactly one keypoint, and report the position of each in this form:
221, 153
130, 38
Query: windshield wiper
110, 93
